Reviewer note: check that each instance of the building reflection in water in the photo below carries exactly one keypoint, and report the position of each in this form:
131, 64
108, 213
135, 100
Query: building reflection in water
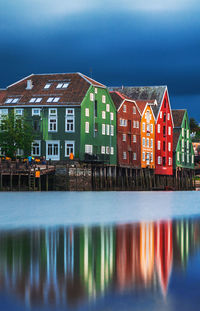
71, 265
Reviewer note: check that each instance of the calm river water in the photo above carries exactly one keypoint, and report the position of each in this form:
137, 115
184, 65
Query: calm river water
100, 251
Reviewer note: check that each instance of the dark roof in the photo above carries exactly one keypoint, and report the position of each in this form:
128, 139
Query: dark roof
178, 117
117, 98
176, 135
144, 93
2, 94
142, 104
72, 95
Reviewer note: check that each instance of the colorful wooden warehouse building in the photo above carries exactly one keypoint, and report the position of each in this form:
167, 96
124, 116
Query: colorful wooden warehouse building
163, 123
70, 113
182, 144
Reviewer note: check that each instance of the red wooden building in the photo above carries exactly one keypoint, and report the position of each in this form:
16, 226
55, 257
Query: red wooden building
163, 120
128, 130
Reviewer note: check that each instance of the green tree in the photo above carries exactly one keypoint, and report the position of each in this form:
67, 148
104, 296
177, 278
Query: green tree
194, 127
15, 133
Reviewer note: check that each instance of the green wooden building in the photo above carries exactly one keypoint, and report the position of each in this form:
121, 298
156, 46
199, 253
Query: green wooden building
70, 113
183, 151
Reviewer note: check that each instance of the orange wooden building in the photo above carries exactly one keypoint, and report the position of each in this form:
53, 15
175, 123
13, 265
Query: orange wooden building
147, 130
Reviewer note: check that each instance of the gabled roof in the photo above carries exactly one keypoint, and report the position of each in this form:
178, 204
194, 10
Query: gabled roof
144, 93
178, 116
176, 135
117, 98
72, 95
142, 104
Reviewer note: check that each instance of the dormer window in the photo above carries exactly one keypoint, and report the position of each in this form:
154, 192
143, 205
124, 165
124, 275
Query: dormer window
53, 99
62, 85
12, 100
47, 85
35, 100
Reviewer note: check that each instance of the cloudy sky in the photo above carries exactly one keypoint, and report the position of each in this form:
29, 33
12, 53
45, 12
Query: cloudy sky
129, 42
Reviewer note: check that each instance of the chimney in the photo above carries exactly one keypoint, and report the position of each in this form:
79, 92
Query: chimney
29, 85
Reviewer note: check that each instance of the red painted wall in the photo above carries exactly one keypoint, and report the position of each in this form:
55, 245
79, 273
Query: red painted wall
128, 146
164, 122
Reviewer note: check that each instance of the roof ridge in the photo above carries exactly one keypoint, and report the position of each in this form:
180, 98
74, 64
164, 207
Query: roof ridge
88, 80
32, 74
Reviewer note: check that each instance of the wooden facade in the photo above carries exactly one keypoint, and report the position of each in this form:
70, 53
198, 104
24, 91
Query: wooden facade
128, 131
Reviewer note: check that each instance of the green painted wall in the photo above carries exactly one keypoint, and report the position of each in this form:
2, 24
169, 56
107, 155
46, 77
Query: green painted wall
186, 148
96, 138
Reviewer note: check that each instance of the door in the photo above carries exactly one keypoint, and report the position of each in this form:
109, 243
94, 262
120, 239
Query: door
53, 150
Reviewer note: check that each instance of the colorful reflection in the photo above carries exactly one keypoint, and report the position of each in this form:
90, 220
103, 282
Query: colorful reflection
71, 265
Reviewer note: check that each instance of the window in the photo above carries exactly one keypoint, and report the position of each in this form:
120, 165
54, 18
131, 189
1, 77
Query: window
124, 108
148, 128
103, 129
95, 108
183, 157
188, 160
192, 159
87, 112
89, 149
182, 143
111, 116
53, 99
107, 107
36, 125
158, 128
151, 156
170, 161
168, 116
178, 156
134, 124
92, 97
124, 137
36, 112
107, 129
103, 99
134, 110
143, 141
143, 127
164, 130
187, 133
134, 156
158, 145
147, 142
19, 152
124, 155
102, 149
95, 90
161, 115
134, 138
159, 160
164, 117
187, 144
182, 132
103, 115
3, 112
169, 146
53, 150
47, 85
137, 124
70, 120
19, 112
163, 145
35, 100
151, 142
87, 127
52, 124
107, 150
111, 150
143, 156
151, 128
69, 147
169, 130
62, 85
36, 147
112, 130
12, 100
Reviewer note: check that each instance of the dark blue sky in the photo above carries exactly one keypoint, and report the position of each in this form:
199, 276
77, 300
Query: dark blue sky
129, 42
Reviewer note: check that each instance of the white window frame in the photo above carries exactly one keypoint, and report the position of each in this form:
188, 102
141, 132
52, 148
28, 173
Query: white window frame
158, 145
70, 120
111, 116
134, 110
147, 142
54, 157
161, 115
143, 127
124, 155
112, 150
89, 149
103, 99
103, 129
143, 141
123, 137
124, 108
183, 157
187, 133
103, 115
91, 97
134, 124
168, 116
67, 143
47, 85
158, 129
137, 124
170, 161
34, 113
38, 154
178, 156
112, 130
151, 142
143, 156
151, 128
107, 150
103, 149
19, 111
169, 146
134, 139
134, 156
107, 107
169, 130
52, 117
87, 127
107, 129
87, 112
